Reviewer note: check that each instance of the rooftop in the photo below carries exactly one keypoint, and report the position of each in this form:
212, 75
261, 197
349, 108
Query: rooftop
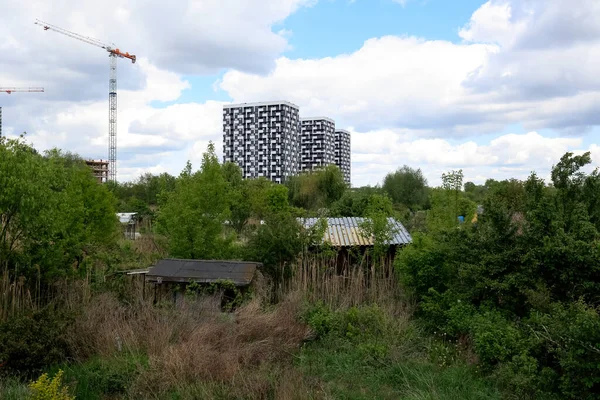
317, 119
347, 232
343, 130
261, 103
240, 273
126, 218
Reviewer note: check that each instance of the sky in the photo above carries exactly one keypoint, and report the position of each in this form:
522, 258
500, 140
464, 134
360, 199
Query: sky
498, 88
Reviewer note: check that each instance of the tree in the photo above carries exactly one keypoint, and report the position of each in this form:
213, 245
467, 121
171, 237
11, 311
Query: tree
53, 213
316, 189
407, 186
448, 202
193, 215
354, 202
239, 204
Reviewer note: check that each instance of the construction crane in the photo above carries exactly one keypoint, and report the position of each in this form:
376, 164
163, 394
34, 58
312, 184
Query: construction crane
113, 54
9, 90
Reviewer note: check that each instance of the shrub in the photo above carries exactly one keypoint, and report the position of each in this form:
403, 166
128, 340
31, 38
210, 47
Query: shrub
356, 324
50, 389
31, 342
100, 377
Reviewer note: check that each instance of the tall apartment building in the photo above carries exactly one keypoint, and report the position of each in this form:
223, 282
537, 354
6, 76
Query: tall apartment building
263, 139
342, 152
317, 143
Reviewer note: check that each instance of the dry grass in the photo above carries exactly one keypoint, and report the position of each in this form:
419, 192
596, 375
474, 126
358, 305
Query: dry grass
195, 343
320, 279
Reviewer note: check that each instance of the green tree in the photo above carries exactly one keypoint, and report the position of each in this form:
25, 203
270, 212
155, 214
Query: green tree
316, 189
53, 213
193, 215
407, 186
354, 202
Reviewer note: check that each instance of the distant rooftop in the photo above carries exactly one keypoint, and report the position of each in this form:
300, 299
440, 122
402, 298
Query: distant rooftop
317, 119
261, 103
343, 130
347, 232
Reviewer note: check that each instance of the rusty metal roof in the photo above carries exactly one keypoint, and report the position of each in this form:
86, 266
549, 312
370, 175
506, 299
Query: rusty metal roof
240, 273
347, 232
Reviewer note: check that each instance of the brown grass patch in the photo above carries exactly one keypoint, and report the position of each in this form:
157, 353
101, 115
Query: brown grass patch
194, 343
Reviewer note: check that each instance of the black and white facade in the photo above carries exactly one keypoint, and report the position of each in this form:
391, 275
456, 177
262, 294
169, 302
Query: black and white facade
263, 139
317, 143
342, 152
269, 139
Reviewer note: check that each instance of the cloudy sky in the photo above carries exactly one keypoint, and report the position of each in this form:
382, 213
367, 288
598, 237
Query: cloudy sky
497, 88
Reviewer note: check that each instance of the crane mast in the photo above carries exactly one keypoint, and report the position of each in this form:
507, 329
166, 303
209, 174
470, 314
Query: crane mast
113, 54
10, 90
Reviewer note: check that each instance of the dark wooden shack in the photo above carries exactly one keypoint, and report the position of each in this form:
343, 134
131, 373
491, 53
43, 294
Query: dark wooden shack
171, 276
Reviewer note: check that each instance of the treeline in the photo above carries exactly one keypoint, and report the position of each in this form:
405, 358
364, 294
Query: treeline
520, 285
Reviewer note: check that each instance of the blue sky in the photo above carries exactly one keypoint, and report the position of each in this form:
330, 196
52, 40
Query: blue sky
498, 88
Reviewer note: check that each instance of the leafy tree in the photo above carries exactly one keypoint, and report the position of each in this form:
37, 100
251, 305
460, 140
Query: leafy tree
53, 213
407, 186
193, 215
354, 202
316, 189
377, 225
239, 205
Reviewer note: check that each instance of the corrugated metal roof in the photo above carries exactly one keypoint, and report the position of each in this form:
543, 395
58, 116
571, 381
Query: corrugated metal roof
347, 232
240, 273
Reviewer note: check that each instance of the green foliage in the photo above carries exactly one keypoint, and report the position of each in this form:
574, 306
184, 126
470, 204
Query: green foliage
364, 353
50, 389
509, 283
13, 389
407, 186
448, 202
31, 342
354, 202
193, 215
316, 189
146, 190
100, 378
377, 224
278, 242
53, 212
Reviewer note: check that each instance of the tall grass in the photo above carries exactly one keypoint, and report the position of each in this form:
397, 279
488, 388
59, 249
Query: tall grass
192, 343
319, 277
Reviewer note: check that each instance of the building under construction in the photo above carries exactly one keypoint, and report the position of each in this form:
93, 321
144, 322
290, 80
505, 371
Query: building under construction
99, 169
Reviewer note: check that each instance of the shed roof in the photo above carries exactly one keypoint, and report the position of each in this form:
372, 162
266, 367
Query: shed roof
347, 232
240, 273
126, 218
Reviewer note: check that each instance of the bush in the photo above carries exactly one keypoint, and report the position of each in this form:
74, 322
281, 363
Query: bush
100, 377
50, 389
31, 342
356, 324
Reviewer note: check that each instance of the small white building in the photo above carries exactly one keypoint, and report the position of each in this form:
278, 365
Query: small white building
129, 224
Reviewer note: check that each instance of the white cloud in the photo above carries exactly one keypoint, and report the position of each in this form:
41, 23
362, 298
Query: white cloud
507, 156
390, 81
409, 101
508, 71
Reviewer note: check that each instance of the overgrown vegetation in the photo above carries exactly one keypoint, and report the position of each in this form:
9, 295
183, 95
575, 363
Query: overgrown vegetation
521, 285
497, 296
